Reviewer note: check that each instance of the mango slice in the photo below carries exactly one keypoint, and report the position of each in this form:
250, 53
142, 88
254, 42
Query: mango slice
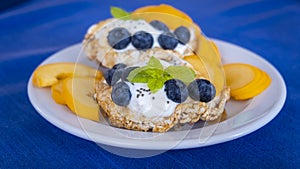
56, 92
78, 93
215, 47
245, 81
50, 74
207, 61
209, 55
165, 13
197, 64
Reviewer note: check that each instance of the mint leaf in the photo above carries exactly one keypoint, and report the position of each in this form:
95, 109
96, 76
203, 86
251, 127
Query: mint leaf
138, 75
155, 76
182, 73
119, 13
167, 76
155, 63
140, 78
154, 72
155, 84
143, 74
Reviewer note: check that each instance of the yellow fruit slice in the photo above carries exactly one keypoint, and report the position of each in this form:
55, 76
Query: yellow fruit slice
56, 91
78, 94
209, 55
238, 76
215, 47
165, 13
245, 81
251, 77
207, 61
197, 65
247, 93
47, 75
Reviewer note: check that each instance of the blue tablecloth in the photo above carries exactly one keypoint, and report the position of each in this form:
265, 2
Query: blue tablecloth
33, 30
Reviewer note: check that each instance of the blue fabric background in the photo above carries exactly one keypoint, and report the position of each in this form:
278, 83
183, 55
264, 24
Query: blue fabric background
33, 30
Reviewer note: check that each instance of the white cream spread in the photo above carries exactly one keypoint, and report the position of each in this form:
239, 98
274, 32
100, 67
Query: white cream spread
134, 26
150, 104
179, 48
147, 103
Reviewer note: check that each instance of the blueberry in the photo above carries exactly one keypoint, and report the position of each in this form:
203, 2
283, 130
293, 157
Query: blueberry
108, 76
121, 74
114, 74
119, 38
119, 66
121, 94
159, 25
167, 40
142, 40
183, 34
202, 90
176, 90
103, 68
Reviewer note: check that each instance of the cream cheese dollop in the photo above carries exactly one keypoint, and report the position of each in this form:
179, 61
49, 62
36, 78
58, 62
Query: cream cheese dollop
134, 26
150, 104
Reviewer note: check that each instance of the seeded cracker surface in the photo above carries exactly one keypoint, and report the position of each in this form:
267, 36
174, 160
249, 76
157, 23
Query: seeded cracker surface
189, 111
97, 48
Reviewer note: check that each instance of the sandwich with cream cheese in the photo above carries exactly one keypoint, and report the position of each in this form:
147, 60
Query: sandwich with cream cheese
159, 70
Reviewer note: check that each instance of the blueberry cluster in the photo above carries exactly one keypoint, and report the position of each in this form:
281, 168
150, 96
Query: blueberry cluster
168, 39
199, 90
120, 38
115, 77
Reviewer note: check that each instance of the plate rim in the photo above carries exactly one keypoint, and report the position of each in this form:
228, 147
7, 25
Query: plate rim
184, 144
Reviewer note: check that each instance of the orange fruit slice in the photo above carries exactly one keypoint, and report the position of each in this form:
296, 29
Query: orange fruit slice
197, 64
78, 93
245, 81
208, 53
56, 92
50, 74
165, 13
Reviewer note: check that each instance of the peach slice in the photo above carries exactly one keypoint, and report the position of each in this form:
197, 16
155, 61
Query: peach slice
197, 65
207, 62
245, 81
165, 13
163, 8
215, 47
203, 70
47, 75
209, 56
56, 92
78, 93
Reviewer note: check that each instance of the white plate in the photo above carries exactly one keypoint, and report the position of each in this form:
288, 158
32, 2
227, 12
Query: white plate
244, 117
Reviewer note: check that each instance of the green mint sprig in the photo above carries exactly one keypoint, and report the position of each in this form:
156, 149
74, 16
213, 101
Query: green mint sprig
120, 13
155, 76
